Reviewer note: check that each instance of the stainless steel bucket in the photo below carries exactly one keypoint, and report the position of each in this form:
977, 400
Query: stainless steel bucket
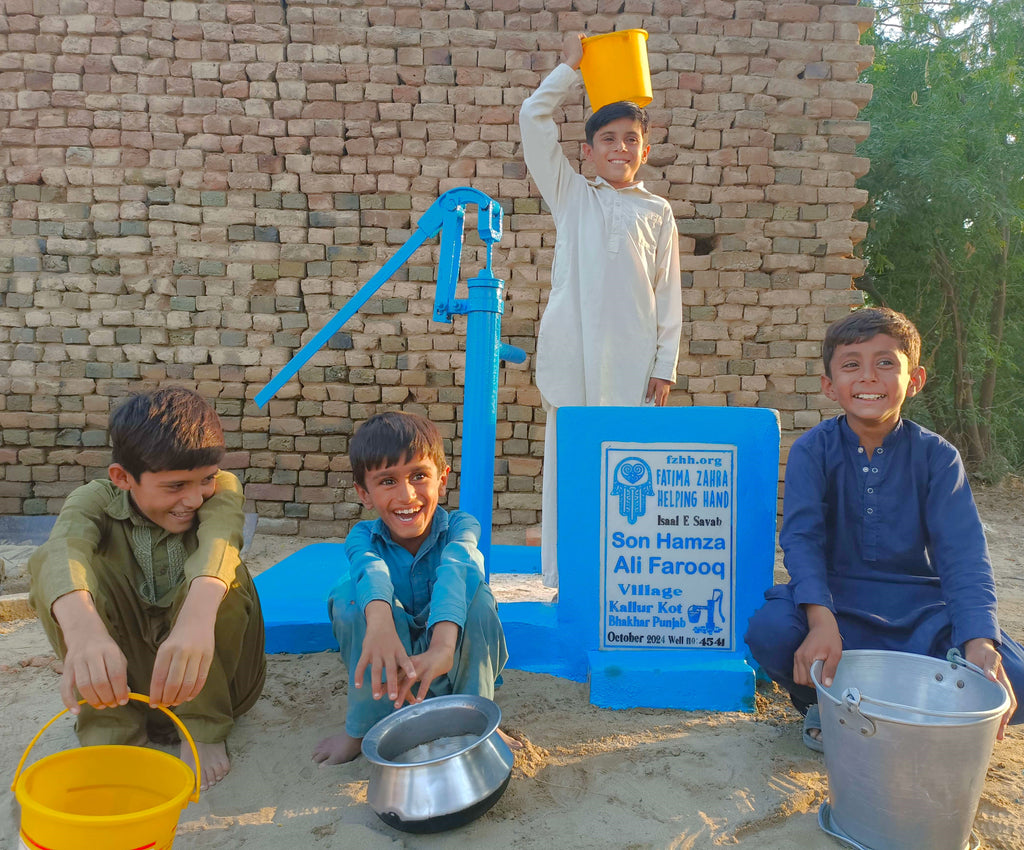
907, 742
437, 765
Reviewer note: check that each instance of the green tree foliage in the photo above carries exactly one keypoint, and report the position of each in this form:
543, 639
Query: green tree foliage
945, 240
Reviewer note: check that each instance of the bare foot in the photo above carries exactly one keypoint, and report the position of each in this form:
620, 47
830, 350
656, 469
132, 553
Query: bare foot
213, 760
337, 749
513, 743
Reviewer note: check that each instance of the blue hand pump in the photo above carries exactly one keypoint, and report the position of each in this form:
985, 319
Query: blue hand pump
484, 348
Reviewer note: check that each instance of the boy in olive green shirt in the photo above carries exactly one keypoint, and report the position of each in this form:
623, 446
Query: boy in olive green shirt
140, 586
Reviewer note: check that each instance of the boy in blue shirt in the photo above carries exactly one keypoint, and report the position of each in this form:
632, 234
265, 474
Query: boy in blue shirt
882, 539
415, 606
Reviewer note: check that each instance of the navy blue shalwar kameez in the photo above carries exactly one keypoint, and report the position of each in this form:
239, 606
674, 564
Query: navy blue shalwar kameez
892, 544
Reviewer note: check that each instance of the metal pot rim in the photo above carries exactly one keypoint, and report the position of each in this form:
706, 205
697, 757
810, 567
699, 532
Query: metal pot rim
872, 706
488, 708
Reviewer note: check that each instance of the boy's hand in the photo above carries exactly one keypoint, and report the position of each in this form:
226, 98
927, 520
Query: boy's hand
572, 50
383, 653
823, 643
435, 662
657, 391
93, 663
183, 659
983, 653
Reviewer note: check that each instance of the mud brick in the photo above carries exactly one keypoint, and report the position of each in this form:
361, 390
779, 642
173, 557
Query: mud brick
160, 195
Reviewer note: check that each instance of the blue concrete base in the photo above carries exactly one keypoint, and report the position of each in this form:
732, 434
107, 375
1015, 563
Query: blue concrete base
534, 642
294, 592
515, 559
293, 595
623, 679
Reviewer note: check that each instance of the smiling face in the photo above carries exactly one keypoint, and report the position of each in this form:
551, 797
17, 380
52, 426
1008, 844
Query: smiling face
171, 498
870, 380
618, 151
406, 495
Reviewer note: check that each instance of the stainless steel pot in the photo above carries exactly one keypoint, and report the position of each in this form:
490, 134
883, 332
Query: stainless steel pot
437, 765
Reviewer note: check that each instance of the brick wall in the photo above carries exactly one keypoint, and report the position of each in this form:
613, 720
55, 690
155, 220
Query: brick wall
189, 190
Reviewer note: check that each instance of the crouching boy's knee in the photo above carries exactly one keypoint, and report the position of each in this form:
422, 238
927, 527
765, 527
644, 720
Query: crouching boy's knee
347, 622
482, 651
774, 633
482, 615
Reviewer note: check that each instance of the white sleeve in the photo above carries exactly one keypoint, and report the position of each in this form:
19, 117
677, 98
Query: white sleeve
545, 160
668, 300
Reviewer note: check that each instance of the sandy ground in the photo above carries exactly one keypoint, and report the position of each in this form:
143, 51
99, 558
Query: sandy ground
587, 777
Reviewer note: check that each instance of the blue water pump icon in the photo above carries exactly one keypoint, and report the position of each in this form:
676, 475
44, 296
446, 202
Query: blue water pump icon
695, 612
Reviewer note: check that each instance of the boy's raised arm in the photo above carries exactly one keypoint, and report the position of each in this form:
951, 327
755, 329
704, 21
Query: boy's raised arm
543, 154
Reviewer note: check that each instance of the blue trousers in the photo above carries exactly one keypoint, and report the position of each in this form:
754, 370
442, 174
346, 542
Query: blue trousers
480, 653
777, 629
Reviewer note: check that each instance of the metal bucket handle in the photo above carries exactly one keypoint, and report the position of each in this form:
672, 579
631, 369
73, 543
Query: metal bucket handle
141, 698
957, 660
853, 705
851, 702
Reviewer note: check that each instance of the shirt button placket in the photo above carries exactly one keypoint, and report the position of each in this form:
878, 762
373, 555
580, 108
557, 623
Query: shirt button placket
872, 517
613, 237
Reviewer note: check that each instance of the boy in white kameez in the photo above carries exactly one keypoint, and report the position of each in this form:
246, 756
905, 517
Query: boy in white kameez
610, 332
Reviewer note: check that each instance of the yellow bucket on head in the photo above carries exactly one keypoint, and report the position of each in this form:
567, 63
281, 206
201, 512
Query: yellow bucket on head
113, 797
615, 68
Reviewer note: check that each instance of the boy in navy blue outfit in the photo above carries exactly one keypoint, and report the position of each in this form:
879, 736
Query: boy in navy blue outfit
882, 539
415, 606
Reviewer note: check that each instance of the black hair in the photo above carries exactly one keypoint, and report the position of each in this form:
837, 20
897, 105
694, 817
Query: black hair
613, 112
862, 325
394, 437
167, 429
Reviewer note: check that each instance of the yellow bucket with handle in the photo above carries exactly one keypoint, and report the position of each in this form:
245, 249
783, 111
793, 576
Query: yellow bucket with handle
111, 797
615, 67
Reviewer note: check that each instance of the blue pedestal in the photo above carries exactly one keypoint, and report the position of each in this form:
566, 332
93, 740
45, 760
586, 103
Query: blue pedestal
666, 543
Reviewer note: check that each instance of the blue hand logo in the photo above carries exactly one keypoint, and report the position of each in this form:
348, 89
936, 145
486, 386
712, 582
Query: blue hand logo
632, 483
